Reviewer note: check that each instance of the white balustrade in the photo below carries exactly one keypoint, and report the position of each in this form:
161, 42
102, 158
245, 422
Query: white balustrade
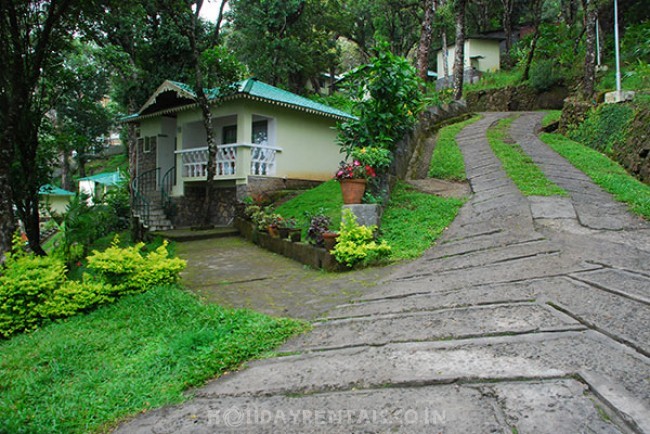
195, 161
263, 160
226, 160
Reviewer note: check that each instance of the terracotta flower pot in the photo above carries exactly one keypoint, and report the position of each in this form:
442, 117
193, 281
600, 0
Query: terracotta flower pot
295, 235
273, 232
329, 240
352, 190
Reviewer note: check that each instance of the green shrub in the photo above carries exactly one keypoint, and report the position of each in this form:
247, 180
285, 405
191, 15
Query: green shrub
356, 244
128, 270
35, 289
603, 127
544, 75
73, 297
28, 282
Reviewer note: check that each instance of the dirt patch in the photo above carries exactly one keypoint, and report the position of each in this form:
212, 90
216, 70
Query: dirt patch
441, 188
235, 273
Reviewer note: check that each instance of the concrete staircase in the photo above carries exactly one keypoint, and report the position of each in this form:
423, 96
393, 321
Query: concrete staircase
153, 216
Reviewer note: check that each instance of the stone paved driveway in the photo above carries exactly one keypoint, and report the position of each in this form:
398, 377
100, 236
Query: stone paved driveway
531, 316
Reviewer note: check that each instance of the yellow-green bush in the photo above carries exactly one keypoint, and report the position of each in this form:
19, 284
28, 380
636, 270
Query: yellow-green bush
73, 297
356, 244
128, 270
26, 283
35, 289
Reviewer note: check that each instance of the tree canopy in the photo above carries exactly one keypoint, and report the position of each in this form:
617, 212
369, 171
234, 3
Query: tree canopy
64, 59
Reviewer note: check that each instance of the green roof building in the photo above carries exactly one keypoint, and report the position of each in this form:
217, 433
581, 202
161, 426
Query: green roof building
267, 138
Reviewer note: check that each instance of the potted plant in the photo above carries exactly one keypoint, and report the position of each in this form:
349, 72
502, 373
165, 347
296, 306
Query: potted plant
329, 240
319, 224
285, 226
353, 178
274, 222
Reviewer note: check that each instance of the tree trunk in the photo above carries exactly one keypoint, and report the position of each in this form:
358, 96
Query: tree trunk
531, 54
445, 55
81, 165
459, 57
590, 50
33, 226
425, 39
508, 6
66, 176
132, 149
537, 21
7, 222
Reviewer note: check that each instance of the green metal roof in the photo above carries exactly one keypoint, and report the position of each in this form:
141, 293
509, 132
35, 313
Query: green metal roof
258, 89
250, 88
54, 190
107, 178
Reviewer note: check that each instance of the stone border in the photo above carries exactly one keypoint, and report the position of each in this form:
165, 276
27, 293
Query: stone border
304, 253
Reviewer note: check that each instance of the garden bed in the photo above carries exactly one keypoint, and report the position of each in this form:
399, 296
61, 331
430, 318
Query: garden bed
315, 257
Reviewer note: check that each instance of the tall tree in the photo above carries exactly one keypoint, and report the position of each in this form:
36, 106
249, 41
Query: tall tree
284, 42
81, 116
591, 11
443, 12
459, 54
537, 8
144, 48
33, 36
425, 38
508, 9
224, 70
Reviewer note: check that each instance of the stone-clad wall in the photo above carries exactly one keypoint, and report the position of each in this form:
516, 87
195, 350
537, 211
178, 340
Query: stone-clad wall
413, 153
516, 98
634, 155
187, 210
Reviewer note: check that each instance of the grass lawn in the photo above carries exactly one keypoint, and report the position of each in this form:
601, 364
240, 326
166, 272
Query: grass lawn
518, 166
447, 160
324, 199
412, 220
496, 80
604, 172
142, 352
550, 117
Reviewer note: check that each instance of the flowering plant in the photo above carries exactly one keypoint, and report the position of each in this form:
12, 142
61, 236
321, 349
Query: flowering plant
354, 170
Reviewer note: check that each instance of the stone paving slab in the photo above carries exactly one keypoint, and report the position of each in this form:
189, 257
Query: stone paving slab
631, 285
458, 323
551, 208
539, 407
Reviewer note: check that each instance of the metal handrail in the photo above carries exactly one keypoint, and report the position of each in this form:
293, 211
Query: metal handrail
167, 182
140, 185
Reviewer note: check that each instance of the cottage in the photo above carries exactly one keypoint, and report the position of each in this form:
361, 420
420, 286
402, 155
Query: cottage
96, 186
54, 199
482, 54
267, 138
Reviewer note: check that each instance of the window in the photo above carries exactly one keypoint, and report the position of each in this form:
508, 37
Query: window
148, 144
261, 132
229, 134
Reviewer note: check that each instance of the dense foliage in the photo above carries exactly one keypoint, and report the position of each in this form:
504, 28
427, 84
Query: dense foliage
604, 127
356, 244
36, 289
387, 94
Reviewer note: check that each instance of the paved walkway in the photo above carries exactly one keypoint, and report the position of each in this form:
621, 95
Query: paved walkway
531, 316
